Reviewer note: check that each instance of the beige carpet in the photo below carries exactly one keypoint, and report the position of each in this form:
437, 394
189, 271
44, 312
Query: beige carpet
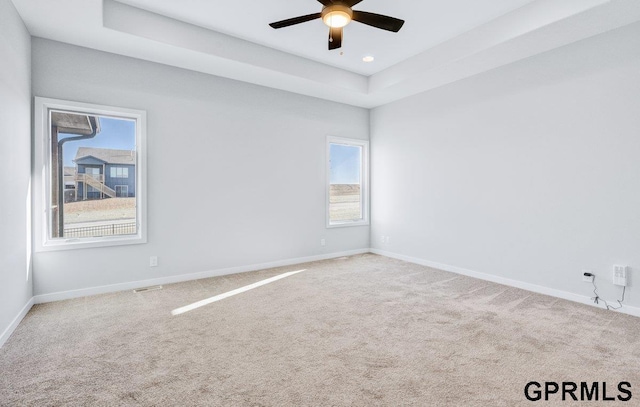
362, 331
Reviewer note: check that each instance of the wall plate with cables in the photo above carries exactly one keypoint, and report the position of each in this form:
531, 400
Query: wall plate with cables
587, 276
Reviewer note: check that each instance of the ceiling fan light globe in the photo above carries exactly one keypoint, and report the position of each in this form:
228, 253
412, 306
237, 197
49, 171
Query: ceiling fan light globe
336, 19
337, 16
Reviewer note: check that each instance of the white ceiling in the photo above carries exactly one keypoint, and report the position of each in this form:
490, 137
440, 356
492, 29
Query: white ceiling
427, 23
441, 42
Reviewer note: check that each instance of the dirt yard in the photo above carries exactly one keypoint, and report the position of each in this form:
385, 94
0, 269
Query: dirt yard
344, 205
99, 210
344, 202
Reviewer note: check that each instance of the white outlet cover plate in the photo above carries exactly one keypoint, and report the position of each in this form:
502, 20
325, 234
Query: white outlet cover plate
587, 279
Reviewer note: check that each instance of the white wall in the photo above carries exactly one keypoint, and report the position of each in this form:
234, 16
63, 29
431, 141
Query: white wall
236, 171
15, 166
530, 172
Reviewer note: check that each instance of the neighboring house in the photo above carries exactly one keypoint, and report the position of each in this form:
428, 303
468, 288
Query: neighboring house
69, 178
69, 184
105, 173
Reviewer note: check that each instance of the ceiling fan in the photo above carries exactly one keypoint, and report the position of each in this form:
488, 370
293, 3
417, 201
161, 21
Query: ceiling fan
337, 14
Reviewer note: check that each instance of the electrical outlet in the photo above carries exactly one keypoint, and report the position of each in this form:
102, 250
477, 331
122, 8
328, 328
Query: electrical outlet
620, 275
588, 276
323, 242
153, 261
382, 239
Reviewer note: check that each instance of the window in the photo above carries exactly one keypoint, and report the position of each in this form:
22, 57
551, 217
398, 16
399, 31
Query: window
101, 152
122, 191
119, 172
348, 178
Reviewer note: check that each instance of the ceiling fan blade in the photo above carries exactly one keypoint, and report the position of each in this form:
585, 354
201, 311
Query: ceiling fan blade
378, 21
295, 20
351, 3
335, 38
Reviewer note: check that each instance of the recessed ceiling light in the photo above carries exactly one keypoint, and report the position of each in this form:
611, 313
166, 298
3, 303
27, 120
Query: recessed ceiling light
368, 58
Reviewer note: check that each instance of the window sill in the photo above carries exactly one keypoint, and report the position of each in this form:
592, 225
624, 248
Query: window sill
87, 243
347, 224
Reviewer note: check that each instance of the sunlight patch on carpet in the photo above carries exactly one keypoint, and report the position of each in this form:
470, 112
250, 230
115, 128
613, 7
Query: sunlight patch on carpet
228, 294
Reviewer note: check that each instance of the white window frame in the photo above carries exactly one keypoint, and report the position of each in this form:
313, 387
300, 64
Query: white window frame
364, 182
42, 176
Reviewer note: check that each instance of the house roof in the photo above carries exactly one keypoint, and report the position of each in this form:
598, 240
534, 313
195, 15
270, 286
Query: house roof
69, 171
107, 155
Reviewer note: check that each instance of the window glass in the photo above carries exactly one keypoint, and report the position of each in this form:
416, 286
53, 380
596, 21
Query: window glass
347, 194
345, 198
88, 144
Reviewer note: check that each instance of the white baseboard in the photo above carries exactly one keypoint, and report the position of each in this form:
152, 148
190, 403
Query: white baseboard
16, 321
84, 292
635, 311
